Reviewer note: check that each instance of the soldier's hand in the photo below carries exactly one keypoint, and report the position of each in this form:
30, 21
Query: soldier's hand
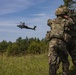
49, 22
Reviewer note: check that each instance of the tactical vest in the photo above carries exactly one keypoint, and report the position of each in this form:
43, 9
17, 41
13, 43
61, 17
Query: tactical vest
72, 27
59, 29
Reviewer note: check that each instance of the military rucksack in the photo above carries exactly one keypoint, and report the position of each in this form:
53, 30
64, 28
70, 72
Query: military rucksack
57, 29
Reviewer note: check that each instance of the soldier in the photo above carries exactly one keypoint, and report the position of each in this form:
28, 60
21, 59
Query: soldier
58, 36
71, 44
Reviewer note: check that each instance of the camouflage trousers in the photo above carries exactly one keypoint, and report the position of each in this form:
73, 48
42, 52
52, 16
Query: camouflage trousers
71, 45
57, 54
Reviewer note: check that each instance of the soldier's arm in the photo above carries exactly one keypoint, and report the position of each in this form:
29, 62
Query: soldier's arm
49, 22
47, 37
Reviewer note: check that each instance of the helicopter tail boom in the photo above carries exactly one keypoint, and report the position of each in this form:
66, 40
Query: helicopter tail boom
34, 27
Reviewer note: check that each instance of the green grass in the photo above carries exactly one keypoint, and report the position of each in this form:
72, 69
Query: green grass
25, 65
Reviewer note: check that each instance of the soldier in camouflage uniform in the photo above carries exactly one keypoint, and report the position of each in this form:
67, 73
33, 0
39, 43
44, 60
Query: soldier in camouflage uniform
71, 44
58, 36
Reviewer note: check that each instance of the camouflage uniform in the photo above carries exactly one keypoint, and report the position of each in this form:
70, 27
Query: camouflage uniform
58, 53
71, 44
57, 47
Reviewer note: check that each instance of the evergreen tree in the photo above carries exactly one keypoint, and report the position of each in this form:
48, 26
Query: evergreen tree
3, 46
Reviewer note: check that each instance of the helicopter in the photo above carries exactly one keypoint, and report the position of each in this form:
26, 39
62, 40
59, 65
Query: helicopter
23, 25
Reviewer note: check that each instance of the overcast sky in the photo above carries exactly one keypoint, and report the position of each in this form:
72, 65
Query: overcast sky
32, 12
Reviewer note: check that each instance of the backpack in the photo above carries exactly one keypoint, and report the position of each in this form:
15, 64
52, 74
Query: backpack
57, 29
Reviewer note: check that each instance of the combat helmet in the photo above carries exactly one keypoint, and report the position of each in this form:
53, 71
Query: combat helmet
61, 10
65, 8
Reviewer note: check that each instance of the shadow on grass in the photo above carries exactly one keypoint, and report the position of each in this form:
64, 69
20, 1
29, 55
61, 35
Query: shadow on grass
73, 71
59, 73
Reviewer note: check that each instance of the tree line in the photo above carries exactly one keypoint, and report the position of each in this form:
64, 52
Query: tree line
24, 46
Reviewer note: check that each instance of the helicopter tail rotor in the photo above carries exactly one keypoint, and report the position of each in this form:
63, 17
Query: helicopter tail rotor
34, 27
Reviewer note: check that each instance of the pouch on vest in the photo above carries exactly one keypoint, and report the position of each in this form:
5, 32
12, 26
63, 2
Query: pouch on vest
57, 30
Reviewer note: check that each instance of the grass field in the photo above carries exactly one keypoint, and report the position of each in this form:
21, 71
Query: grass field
26, 65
